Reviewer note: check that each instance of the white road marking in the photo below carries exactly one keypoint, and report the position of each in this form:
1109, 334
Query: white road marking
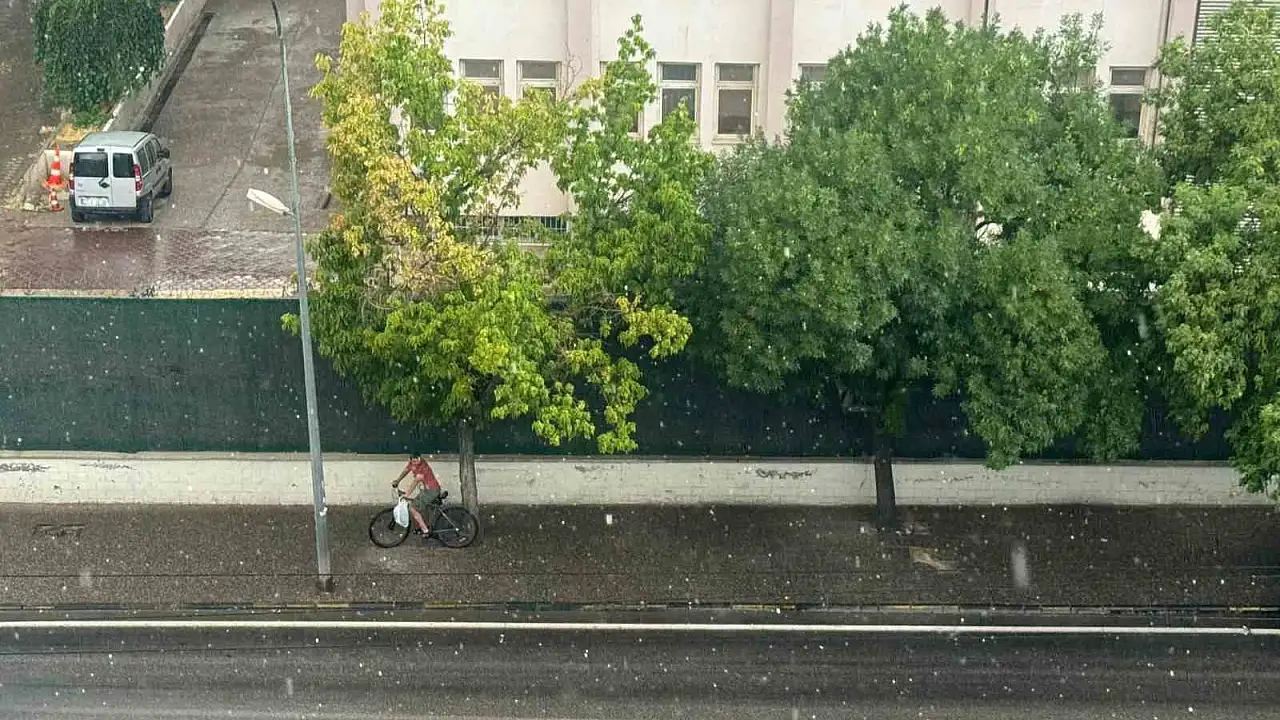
631, 627
46, 709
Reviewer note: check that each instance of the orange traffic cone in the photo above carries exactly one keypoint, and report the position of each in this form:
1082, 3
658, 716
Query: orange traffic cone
55, 170
55, 182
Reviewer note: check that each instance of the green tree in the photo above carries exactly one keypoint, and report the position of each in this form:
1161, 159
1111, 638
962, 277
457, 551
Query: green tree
636, 232
95, 52
845, 261
1218, 254
421, 295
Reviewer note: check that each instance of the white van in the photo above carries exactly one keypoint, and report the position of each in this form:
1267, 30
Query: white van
119, 173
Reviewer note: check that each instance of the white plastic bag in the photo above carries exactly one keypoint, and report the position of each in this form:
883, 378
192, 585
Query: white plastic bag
401, 513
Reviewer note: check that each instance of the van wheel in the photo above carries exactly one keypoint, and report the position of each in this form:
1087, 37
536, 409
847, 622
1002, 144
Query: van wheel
76, 215
167, 190
144, 209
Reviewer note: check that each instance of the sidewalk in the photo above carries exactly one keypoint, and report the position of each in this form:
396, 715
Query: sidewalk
1046, 556
284, 479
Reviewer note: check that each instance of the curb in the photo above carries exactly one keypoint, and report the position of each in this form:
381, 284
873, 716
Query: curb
1092, 612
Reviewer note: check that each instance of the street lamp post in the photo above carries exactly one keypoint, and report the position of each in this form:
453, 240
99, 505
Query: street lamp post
324, 576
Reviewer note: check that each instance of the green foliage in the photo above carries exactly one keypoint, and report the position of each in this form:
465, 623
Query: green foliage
845, 259
636, 232
95, 52
423, 300
1218, 256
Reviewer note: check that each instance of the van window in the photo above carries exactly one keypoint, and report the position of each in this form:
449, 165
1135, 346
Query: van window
122, 165
148, 158
91, 165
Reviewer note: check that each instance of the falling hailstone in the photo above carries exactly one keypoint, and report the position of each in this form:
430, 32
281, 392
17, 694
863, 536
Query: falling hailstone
1018, 566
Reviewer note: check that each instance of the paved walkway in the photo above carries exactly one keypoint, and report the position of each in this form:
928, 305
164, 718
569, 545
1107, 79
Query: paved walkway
144, 261
225, 121
284, 479
1047, 556
20, 113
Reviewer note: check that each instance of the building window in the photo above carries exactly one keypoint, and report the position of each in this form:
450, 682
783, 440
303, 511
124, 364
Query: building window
539, 76
1125, 94
485, 73
635, 125
735, 99
813, 73
679, 86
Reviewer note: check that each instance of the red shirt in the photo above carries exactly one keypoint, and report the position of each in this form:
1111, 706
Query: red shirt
424, 473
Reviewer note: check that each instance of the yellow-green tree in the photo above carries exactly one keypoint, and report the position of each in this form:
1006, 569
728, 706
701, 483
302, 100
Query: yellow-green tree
420, 296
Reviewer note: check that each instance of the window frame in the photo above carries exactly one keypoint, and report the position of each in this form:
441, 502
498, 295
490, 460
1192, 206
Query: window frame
1129, 90
489, 84
695, 85
800, 76
526, 84
753, 86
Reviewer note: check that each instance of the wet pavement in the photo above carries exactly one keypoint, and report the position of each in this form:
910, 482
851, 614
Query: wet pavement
395, 674
144, 261
21, 115
225, 126
1031, 556
225, 123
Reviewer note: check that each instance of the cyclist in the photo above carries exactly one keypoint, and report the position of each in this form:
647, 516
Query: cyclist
424, 481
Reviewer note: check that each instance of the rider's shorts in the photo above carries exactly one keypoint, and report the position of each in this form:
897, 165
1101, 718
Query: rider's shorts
425, 498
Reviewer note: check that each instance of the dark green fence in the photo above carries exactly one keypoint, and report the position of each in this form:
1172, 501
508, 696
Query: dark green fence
136, 374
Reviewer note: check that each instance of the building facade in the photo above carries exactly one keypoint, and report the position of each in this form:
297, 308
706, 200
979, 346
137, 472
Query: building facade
732, 61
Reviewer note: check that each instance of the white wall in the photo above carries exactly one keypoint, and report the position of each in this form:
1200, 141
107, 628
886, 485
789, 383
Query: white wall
777, 35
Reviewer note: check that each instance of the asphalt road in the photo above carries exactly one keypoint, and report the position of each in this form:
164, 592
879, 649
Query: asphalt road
540, 674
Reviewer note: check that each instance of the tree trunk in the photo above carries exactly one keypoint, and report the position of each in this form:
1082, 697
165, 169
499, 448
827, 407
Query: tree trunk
886, 499
467, 466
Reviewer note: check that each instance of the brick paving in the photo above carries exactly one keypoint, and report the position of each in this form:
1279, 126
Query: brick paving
143, 261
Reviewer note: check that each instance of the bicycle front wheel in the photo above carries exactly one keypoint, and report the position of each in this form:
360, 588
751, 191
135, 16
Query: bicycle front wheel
384, 531
456, 527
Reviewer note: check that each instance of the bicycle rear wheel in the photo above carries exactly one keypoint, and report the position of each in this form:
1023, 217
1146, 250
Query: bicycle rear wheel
456, 527
384, 532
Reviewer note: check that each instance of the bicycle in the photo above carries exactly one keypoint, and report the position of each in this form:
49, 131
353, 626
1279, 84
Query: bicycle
453, 525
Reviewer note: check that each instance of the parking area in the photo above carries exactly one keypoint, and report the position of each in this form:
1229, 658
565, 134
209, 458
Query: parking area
224, 122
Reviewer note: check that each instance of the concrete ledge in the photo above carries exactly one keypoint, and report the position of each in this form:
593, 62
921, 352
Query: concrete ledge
284, 479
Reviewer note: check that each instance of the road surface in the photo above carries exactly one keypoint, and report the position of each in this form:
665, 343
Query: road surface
512, 674
1048, 556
